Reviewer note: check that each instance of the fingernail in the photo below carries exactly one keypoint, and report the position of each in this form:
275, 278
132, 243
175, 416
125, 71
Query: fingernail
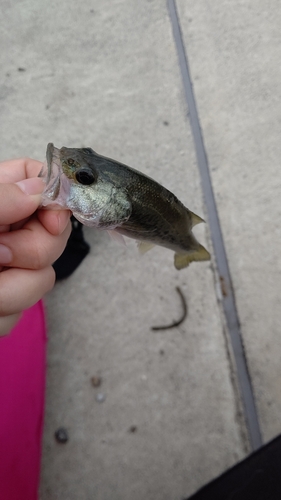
5, 255
35, 185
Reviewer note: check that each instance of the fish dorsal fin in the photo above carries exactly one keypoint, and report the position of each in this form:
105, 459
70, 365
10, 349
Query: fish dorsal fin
195, 219
144, 246
183, 259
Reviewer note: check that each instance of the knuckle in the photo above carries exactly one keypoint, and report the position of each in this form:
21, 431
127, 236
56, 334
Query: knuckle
40, 256
45, 253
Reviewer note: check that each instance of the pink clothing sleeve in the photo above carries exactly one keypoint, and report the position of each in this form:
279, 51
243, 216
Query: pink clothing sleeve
22, 392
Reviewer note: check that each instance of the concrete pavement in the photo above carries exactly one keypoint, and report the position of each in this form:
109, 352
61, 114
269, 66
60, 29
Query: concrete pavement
106, 75
237, 48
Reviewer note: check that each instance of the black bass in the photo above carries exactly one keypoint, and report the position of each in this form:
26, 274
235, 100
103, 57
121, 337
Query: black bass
106, 194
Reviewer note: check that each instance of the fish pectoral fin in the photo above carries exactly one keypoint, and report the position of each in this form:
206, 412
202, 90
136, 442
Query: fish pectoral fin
116, 236
144, 246
183, 259
195, 219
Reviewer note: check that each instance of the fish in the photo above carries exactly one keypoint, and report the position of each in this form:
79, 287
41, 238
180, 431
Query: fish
106, 194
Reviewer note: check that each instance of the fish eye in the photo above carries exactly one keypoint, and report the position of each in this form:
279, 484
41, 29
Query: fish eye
85, 176
70, 161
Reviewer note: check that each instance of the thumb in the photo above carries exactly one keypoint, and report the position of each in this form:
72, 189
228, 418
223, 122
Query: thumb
20, 200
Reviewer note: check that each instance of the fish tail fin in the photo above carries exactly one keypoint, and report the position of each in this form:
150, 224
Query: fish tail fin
195, 219
182, 260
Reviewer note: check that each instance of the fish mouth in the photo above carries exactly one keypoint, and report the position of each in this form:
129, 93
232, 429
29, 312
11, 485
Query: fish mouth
57, 185
50, 156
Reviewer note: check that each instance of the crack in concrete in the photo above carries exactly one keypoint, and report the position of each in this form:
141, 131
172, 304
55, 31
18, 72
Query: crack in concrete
228, 299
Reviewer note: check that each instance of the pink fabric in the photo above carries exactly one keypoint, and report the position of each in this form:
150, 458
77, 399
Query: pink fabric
22, 391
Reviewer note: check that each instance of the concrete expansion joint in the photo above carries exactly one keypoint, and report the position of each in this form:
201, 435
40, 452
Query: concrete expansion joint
225, 281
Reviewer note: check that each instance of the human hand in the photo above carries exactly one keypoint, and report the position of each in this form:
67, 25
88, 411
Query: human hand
31, 239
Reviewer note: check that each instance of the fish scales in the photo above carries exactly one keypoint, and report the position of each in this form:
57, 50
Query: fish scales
104, 193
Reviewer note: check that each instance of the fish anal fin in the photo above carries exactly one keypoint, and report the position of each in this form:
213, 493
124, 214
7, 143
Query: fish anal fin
195, 219
144, 246
182, 260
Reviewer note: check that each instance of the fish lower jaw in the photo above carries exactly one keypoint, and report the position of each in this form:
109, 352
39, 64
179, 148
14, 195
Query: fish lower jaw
92, 221
86, 219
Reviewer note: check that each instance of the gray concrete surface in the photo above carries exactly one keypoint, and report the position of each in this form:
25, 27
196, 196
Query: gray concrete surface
105, 75
234, 49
